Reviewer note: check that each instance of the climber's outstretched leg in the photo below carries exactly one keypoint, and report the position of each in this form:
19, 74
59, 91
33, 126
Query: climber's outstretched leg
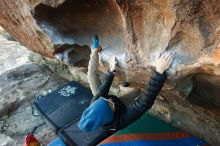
93, 77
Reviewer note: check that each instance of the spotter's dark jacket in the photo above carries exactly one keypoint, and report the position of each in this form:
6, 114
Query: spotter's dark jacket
127, 114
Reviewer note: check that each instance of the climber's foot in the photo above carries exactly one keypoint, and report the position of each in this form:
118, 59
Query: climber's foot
95, 43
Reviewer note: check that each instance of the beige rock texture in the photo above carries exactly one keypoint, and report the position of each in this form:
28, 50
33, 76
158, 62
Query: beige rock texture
136, 32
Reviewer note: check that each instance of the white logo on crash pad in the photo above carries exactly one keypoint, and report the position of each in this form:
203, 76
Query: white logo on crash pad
67, 91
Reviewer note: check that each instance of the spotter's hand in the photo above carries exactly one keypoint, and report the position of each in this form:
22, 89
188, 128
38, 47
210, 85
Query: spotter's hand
164, 62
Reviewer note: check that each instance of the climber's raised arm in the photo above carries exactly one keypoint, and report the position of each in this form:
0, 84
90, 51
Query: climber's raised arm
145, 100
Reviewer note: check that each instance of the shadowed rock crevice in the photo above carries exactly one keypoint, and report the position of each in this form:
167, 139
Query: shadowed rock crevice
201, 89
205, 91
76, 21
73, 55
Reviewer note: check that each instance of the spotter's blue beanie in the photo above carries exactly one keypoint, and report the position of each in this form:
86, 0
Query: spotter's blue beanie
97, 114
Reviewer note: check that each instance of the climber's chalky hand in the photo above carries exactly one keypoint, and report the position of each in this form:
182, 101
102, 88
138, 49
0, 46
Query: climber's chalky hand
164, 62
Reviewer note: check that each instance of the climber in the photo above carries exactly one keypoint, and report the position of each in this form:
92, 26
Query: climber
108, 110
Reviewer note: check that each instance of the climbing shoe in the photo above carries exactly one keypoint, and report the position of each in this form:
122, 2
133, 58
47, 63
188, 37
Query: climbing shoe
95, 42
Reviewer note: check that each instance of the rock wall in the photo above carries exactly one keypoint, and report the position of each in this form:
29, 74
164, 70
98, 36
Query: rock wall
136, 31
16, 18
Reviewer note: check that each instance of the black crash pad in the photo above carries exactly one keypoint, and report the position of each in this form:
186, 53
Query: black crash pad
62, 110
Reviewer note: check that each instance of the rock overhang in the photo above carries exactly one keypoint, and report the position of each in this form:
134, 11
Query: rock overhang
134, 31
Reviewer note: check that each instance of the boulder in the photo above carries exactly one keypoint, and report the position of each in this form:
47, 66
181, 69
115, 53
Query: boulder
136, 32
24, 83
19, 88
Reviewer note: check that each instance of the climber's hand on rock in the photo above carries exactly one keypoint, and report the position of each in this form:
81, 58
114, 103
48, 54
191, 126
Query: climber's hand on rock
164, 62
113, 63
